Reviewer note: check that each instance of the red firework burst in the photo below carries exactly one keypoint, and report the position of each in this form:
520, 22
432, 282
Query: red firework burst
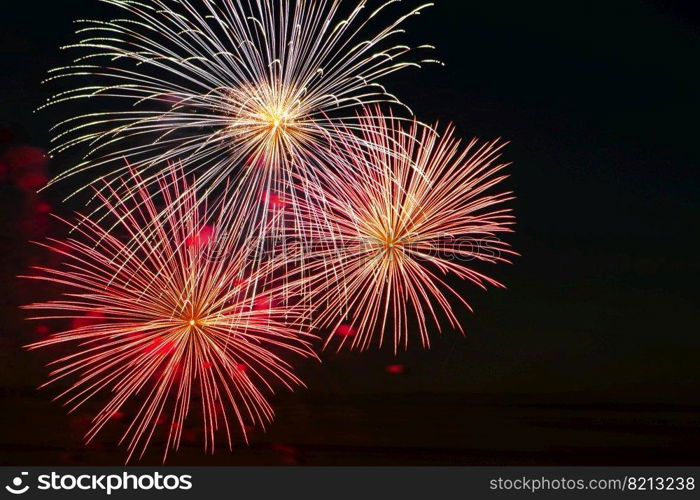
408, 208
174, 318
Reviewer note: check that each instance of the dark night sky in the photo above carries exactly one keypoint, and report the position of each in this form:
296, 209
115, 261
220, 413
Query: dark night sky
600, 103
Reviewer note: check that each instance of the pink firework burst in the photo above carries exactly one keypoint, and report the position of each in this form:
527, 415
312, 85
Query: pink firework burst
409, 207
175, 318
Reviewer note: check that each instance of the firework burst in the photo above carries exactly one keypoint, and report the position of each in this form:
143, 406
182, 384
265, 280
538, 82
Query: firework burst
177, 318
417, 208
253, 88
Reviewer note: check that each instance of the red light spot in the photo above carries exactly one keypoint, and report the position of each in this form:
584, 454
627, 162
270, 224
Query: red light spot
264, 304
43, 208
282, 448
346, 331
207, 365
154, 345
396, 369
290, 455
27, 167
118, 415
159, 346
166, 348
205, 236
42, 330
32, 182
90, 319
273, 201
25, 157
240, 367
80, 423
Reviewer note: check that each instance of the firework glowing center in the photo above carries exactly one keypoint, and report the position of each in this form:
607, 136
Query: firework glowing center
278, 122
271, 121
278, 119
391, 232
387, 243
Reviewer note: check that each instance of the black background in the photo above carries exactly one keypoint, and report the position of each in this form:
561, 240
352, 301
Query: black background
589, 357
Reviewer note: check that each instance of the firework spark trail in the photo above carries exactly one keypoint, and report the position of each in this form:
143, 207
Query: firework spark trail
416, 208
174, 325
253, 89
